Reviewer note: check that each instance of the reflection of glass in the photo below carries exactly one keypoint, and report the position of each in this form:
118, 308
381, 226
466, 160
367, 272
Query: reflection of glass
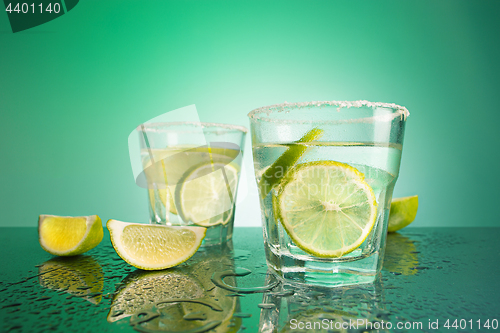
302, 308
401, 255
180, 299
79, 276
323, 207
191, 171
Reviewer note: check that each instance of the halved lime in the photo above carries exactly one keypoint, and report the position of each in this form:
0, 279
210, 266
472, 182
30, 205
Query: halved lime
154, 247
67, 235
206, 194
326, 208
403, 212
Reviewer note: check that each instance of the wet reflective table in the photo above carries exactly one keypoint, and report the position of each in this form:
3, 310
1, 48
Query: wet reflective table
434, 280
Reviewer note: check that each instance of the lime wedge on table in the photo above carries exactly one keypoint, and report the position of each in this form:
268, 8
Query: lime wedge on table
326, 207
69, 236
403, 212
273, 175
154, 247
205, 195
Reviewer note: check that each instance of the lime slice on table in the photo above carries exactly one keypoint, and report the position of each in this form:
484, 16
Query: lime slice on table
69, 236
154, 247
403, 212
206, 194
273, 175
326, 208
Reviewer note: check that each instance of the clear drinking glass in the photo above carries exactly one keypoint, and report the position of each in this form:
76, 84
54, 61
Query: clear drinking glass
191, 171
326, 172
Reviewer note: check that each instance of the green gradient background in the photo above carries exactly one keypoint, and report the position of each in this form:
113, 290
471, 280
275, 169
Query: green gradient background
73, 89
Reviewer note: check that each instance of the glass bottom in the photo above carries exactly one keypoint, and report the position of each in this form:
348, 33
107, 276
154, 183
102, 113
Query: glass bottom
216, 235
219, 234
324, 273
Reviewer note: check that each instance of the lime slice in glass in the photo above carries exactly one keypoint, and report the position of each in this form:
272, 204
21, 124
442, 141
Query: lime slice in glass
326, 208
206, 194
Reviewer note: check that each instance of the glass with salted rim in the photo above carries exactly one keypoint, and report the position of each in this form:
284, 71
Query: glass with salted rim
191, 171
326, 172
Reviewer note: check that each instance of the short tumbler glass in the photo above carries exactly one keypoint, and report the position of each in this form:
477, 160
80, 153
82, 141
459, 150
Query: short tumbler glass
326, 172
191, 171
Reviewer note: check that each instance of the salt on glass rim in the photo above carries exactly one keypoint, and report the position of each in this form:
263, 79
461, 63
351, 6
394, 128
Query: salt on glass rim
154, 127
256, 114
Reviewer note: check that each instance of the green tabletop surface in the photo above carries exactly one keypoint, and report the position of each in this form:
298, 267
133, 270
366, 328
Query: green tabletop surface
433, 280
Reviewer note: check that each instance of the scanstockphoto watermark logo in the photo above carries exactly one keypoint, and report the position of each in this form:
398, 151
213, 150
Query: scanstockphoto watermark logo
357, 325
365, 325
28, 14
317, 183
